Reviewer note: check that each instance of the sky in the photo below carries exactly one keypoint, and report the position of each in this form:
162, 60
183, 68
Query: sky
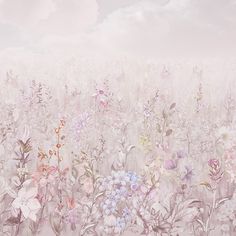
139, 29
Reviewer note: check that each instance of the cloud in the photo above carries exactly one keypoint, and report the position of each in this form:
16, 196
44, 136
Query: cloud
106, 7
71, 17
40, 19
25, 13
152, 28
143, 29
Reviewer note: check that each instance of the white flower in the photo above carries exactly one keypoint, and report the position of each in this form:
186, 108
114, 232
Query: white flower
22, 171
27, 203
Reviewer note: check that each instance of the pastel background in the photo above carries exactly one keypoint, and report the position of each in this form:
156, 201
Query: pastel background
117, 117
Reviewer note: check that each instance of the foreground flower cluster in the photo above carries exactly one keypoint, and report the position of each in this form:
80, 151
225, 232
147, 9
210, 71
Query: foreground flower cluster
95, 163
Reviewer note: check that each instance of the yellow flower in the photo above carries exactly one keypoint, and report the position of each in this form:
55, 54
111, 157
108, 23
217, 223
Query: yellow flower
145, 141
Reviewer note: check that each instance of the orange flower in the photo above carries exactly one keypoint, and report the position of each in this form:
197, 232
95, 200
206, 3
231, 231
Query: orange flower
70, 202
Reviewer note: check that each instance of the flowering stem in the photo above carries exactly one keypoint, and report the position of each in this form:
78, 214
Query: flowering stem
19, 223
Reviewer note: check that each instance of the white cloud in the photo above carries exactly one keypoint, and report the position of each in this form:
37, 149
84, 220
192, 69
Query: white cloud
152, 28
39, 19
71, 17
135, 28
25, 13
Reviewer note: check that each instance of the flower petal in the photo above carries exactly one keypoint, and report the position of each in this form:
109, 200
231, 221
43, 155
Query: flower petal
25, 211
32, 216
31, 193
33, 204
11, 192
16, 203
22, 192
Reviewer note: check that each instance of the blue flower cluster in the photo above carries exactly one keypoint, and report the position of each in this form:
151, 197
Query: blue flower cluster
119, 189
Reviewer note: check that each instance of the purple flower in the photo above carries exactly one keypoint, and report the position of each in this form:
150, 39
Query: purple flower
134, 186
109, 206
181, 154
126, 213
132, 176
120, 224
80, 123
170, 164
146, 111
188, 174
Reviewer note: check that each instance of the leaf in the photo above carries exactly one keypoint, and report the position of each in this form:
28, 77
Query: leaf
26, 147
221, 201
168, 132
201, 223
153, 180
164, 115
185, 211
130, 148
86, 228
98, 195
11, 192
74, 172
88, 171
55, 226
172, 106
158, 128
207, 185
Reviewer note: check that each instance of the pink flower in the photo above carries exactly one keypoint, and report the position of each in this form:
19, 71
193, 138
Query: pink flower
215, 171
101, 97
214, 164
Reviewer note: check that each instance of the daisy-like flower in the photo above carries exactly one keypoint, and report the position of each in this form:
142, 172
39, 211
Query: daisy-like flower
27, 202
